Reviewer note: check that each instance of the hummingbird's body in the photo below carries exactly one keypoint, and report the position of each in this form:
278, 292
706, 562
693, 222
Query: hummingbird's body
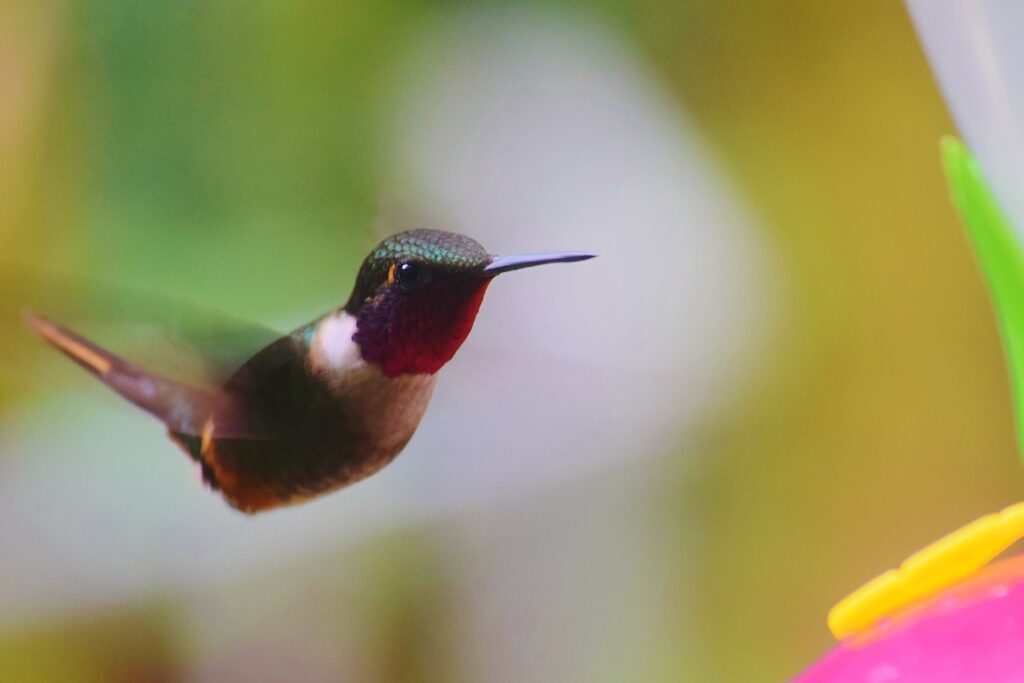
334, 401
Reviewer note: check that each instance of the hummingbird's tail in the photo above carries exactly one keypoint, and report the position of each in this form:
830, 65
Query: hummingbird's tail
182, 408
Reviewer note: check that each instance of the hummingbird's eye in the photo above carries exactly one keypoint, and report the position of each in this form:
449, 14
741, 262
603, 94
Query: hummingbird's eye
409, 275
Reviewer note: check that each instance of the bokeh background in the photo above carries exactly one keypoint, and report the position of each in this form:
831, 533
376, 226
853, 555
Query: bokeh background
781, 377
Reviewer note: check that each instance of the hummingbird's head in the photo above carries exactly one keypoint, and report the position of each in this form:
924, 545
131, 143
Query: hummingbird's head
418, 293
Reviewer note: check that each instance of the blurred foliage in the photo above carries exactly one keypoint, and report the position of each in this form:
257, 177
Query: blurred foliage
134, 644
999, 255
193, 146
387, 618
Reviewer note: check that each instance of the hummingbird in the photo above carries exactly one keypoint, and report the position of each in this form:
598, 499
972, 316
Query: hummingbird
334, 401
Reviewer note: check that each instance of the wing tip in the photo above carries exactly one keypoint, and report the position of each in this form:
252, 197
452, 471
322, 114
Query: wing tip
42, 327
78, 349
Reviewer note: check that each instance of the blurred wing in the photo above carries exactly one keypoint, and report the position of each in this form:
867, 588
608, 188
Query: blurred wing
183, 408
187, 341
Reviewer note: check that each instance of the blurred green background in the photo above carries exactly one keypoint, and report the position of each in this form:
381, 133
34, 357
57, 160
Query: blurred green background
218, 150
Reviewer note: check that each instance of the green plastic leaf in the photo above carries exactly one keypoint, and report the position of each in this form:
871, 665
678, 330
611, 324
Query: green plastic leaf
999, 252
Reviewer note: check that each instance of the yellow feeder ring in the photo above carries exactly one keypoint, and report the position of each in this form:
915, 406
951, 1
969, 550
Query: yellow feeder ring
949, 560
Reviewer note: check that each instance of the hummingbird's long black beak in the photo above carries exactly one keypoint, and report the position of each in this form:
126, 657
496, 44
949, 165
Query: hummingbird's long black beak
503, 264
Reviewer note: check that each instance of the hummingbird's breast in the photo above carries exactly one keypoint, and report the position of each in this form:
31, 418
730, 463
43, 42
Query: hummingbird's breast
333, 419
384, 410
